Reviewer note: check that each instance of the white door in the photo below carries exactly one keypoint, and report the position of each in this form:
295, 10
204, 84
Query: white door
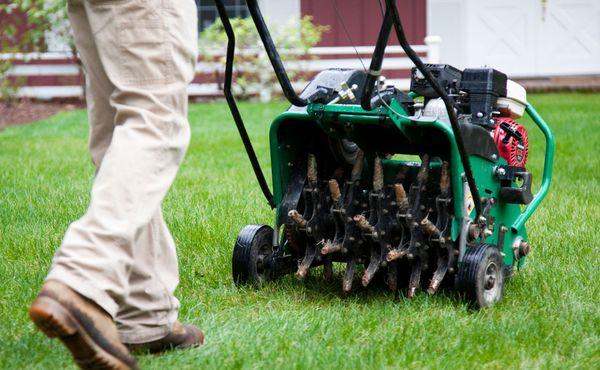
519, 37
502, 35
569, 37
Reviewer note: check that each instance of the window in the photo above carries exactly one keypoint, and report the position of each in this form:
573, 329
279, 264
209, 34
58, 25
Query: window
207, 11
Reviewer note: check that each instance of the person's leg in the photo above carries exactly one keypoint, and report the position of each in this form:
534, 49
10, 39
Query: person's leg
87, 330
150, 67
150, 309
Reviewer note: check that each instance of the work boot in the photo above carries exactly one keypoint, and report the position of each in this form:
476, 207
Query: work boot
83, 327
180, 337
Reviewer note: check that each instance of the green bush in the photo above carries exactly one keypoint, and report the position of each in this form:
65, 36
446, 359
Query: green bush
252, 68
28, 34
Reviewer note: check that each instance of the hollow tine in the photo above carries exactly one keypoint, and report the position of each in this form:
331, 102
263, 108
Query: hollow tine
328, 271
377, 175
395, 254
444, 180
370, 272
331, 247
415, 279
424, 170
311, 172
305, 264
334, 190
297, 218
429, 227
349, 276
401, 198
363, 223
392, 277
438, 275
358, 166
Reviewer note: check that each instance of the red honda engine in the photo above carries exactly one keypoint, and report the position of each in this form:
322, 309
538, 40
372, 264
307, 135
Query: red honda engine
511, 140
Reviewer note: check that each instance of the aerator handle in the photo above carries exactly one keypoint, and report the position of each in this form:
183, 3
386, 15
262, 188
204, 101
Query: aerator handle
274, 57
392, 10
235, 112
376, 61
548, 164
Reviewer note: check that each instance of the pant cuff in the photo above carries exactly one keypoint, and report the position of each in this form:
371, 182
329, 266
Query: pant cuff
137, 336
84, 288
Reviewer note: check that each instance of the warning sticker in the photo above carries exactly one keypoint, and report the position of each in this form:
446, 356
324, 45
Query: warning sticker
470, 202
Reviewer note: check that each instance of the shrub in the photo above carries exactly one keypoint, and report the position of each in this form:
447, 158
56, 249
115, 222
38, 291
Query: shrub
252, 67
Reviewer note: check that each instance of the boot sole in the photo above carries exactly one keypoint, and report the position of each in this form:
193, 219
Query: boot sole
55, 321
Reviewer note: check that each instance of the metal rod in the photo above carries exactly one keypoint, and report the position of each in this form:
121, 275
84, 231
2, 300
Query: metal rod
393, 9
548, 164
233, 105
274, 57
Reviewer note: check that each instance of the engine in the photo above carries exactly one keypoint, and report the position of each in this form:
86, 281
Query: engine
483, 97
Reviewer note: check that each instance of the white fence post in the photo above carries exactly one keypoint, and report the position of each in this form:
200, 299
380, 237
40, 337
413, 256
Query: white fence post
433, 49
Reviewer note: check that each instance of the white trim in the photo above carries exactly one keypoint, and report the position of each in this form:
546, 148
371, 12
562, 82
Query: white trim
37, 56
50, 92
320, 50
392, 49
44, 70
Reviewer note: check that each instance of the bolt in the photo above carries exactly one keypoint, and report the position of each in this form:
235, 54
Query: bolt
494, 157
410, 256
504, 229
451, 270
524, 249
474, 231
500, 171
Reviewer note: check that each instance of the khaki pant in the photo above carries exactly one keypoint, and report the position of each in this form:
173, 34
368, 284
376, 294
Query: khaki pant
139, 57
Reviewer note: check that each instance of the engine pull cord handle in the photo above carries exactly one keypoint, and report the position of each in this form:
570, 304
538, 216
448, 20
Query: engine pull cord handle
510, 132
237, 117
393, 10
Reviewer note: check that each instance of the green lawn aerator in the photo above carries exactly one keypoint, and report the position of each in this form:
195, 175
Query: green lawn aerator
345, 191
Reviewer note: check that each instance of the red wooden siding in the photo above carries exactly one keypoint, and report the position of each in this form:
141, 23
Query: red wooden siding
362, 19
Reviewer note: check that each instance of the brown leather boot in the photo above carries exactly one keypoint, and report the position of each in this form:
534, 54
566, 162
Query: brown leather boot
181, 336
83, 327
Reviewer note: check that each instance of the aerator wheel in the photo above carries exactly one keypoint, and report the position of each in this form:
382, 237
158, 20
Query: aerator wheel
344, 150
252, 255
480, 277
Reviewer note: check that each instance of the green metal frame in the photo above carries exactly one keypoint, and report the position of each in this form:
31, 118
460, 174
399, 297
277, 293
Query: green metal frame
325, 117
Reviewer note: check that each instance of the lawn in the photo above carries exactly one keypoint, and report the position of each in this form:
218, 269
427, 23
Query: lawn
549, 317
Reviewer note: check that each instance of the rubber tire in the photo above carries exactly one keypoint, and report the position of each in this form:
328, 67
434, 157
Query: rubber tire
247, 246
344, 151
472, 275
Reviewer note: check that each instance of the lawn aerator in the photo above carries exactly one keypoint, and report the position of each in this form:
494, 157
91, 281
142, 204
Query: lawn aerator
345, 191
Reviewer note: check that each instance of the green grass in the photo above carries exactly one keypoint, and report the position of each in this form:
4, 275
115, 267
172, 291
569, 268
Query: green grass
549, 317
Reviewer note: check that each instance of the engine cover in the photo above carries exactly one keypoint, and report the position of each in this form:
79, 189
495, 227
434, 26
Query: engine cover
512, 142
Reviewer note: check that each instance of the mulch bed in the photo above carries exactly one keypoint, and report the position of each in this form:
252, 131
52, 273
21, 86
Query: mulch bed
25, 111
